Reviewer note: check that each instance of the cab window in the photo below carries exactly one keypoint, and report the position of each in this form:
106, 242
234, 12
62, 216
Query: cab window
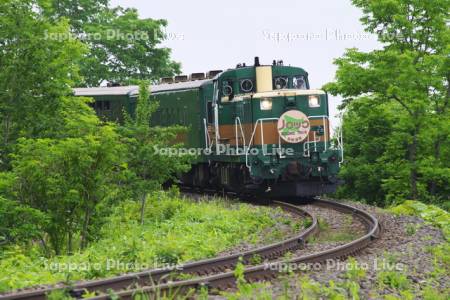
227, 90
299, 82
280, 82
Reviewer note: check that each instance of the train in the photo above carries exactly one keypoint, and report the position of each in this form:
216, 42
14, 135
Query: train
260, 129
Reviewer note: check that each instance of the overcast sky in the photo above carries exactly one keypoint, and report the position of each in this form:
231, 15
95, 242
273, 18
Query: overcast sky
206, 35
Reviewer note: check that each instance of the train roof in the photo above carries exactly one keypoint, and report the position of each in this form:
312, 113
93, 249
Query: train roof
107, 91
133, 90
179, 86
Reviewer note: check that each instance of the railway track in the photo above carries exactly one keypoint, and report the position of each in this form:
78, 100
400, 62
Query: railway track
199, 268
216, 273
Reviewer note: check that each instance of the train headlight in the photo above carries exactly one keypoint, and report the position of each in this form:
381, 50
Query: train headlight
314, 101
266, 104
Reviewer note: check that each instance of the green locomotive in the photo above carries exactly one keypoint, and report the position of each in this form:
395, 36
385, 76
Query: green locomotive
256, 129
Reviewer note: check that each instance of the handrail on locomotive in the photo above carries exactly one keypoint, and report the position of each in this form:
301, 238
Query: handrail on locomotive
306, 145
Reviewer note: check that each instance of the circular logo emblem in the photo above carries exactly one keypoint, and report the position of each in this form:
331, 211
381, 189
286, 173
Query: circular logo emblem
293, 126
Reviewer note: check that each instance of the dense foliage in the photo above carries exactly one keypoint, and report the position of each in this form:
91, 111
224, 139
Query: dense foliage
121, 47
61, 168
148, 169
174, 231
396, 112
36, 75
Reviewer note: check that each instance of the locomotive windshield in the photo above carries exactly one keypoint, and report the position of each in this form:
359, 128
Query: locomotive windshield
280, 82
299, 82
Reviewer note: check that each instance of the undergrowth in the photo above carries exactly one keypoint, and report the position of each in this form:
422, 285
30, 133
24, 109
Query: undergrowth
174, 231
430, 213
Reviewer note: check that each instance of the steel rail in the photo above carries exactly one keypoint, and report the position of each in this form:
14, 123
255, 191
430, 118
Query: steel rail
268, 270
199, 268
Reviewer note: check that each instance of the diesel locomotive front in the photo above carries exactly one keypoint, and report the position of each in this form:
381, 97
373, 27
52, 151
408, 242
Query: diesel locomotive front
261, 129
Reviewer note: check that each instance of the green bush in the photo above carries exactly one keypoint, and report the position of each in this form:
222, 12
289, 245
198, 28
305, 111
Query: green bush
19, 223
174, 231
393, 280
430, 213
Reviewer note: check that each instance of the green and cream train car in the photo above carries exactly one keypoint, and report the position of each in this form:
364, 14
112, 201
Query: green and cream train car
255, 129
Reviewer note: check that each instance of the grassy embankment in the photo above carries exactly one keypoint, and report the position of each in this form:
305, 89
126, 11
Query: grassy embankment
174, 231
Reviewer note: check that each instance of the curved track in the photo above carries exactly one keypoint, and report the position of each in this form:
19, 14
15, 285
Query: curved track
157, 281
199, 268
268, 271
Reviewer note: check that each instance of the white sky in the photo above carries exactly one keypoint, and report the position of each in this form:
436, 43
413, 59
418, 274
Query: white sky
206, 35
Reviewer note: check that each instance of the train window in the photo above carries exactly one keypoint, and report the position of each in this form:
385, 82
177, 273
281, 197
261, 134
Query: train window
299, 82
246, 85
280, 82
209, 109
101, 105
227, 88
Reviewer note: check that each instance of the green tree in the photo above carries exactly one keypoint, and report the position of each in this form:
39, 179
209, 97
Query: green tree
363, 171
122, 47
36, 74
59, 159
147, 168
409, 77
20, 223
68, 180
62, 167
78, 12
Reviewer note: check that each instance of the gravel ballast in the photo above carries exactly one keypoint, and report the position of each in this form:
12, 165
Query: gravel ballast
403, 249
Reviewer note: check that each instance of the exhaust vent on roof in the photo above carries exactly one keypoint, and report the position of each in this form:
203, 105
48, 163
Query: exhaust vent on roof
213, 73
197, 76
181, 78
167, 80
